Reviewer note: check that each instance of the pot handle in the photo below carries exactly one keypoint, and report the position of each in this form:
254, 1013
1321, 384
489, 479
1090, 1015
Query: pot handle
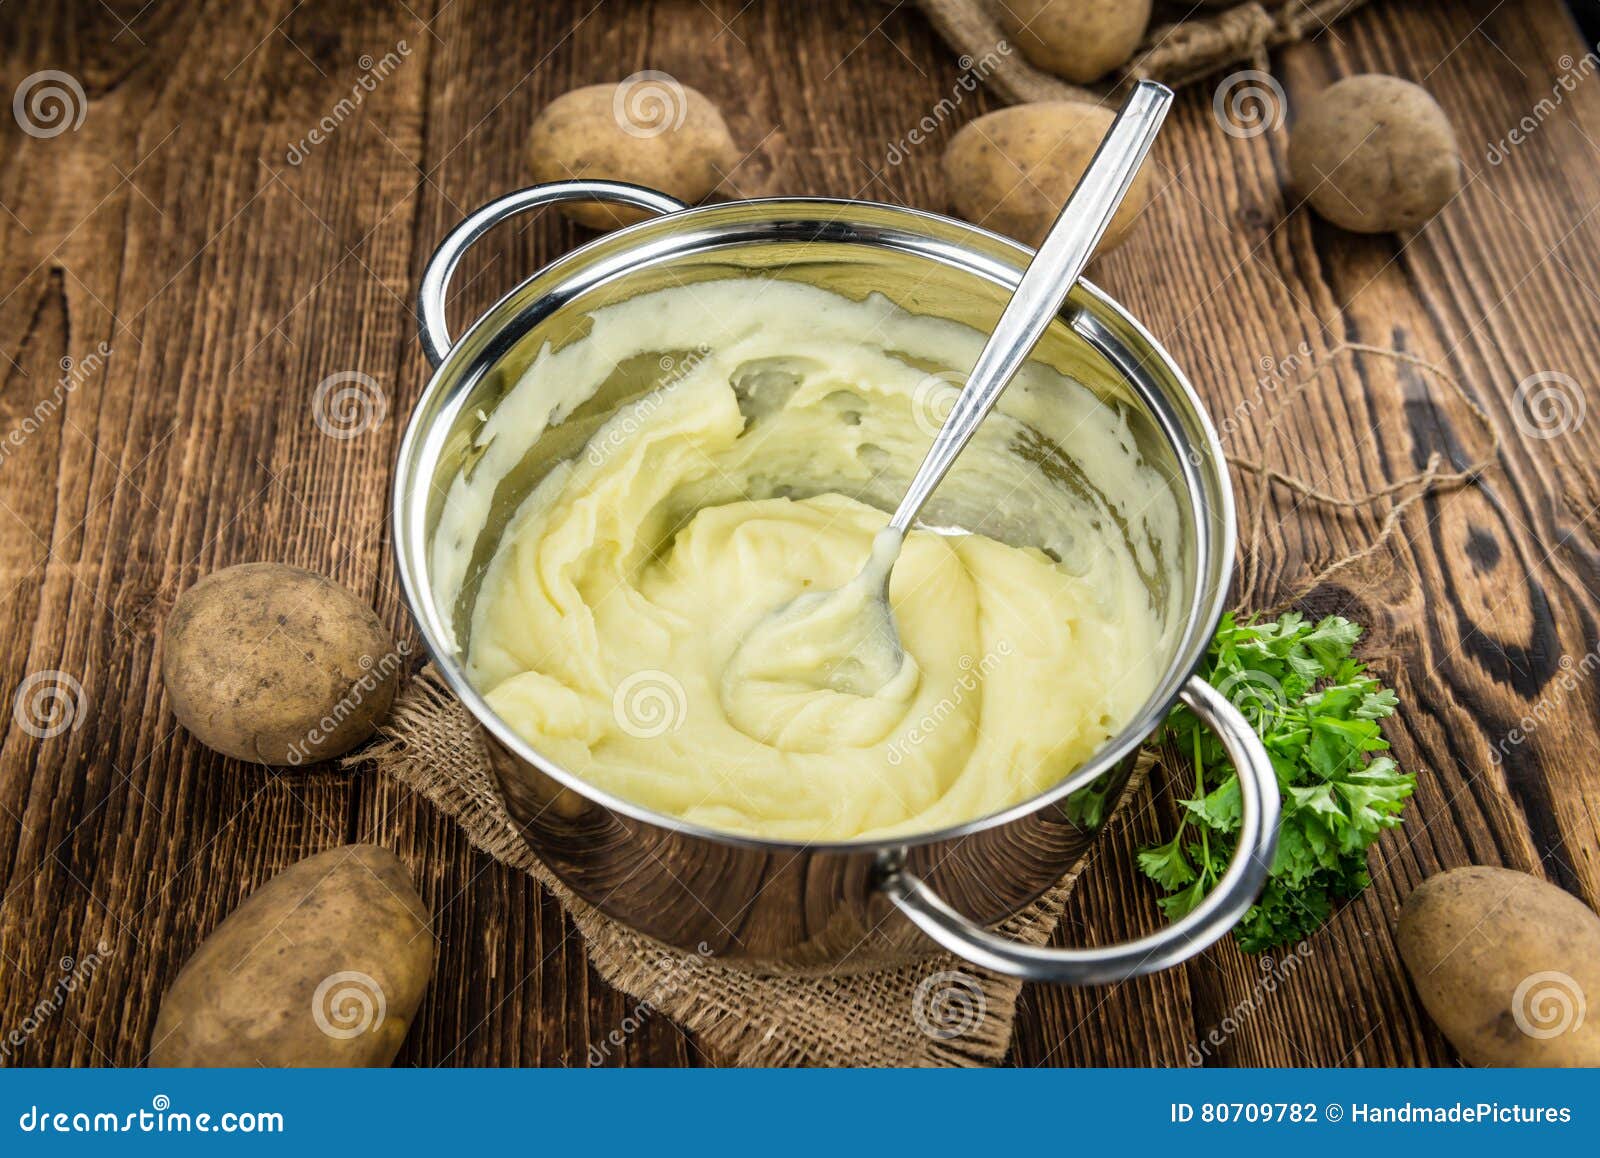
435, 334
1221, 909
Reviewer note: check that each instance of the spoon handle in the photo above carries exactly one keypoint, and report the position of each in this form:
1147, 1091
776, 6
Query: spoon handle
1044, 285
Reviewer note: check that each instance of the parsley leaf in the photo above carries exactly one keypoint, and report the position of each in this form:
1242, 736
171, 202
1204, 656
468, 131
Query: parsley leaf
1317, 712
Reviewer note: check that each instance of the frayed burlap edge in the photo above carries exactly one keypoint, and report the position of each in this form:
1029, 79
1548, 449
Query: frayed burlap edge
1175, 54
874, 1018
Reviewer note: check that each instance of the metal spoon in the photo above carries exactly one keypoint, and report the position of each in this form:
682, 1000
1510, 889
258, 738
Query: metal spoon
857, 616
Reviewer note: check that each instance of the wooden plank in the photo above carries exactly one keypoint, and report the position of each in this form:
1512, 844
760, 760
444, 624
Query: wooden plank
165, 229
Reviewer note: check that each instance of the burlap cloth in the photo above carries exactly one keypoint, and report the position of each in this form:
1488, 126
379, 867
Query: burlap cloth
933, 1011
1184, 47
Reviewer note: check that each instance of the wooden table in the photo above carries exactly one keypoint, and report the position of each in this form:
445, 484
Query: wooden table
226, 282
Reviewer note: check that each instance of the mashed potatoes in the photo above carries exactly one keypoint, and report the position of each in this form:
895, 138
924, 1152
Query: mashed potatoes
605, 625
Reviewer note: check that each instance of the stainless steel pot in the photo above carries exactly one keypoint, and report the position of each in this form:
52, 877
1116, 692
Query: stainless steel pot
842, 906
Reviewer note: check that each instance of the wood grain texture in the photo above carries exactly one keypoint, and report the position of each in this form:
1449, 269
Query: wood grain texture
226, 280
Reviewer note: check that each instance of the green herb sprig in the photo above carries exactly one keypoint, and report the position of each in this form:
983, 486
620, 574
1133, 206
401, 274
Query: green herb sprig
1317, 713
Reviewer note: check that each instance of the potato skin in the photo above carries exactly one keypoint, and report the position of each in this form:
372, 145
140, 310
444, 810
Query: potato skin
1471, 936
585, 133
325, 930
1080, 40
1051, 142
257, 658
1374, 153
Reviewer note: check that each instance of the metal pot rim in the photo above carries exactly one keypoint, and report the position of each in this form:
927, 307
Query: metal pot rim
1095, 317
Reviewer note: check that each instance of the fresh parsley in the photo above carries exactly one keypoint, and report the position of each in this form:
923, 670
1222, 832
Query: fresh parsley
1317, 712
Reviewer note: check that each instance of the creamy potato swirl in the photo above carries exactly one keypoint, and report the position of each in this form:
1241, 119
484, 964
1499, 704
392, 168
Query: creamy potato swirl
605, 624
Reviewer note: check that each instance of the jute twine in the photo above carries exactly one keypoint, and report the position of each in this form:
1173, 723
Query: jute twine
935, 1010
1175, 53
1436, 477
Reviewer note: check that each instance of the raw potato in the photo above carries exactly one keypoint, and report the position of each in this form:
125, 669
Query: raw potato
1078, 40
1505, 963
649, 130
324, 965
1048, 143
277, 664
1375, 153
